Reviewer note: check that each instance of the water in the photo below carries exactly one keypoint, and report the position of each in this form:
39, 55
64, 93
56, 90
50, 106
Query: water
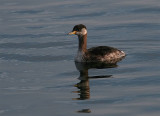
38, 75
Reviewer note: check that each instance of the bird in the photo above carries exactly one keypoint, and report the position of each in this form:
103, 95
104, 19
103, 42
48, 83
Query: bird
99, 54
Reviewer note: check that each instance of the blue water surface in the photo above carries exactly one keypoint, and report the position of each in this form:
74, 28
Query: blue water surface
38, 75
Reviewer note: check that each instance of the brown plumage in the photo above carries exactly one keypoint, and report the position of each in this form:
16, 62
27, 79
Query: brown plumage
103, 54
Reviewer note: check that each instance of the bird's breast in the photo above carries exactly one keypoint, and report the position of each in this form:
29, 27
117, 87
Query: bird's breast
80, 57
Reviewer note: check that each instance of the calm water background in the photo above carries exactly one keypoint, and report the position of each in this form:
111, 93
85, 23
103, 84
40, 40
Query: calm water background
37, 70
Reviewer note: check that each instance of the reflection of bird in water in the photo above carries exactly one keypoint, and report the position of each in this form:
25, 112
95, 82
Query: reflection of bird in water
83, 85
105, 54
84, 111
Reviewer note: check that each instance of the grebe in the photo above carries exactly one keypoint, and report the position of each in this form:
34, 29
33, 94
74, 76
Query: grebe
102, 54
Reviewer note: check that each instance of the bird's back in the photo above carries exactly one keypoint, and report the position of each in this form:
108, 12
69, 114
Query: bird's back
104, 54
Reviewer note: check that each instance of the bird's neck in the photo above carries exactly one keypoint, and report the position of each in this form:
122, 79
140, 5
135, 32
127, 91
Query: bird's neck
82, 43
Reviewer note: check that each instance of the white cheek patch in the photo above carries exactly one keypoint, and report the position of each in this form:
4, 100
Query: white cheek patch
84, 31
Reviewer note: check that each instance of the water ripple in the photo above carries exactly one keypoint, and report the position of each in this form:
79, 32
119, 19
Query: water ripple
33, 45
147, 10
30, 58
95, 14
28, 11
131, 25
29, 35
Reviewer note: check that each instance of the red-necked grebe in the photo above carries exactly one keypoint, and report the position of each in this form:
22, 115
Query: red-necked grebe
104, 54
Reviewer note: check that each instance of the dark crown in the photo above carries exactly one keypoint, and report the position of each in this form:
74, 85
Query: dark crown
79, 27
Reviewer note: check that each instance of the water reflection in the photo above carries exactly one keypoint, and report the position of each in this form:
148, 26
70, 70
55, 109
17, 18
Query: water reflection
83, 86
84, 111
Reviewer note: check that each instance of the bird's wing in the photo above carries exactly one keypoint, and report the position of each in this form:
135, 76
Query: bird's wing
101, 50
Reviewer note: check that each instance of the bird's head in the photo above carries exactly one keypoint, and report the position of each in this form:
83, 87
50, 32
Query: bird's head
79, 30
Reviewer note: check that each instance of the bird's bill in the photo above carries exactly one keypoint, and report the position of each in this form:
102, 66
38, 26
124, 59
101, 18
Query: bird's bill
71, 33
